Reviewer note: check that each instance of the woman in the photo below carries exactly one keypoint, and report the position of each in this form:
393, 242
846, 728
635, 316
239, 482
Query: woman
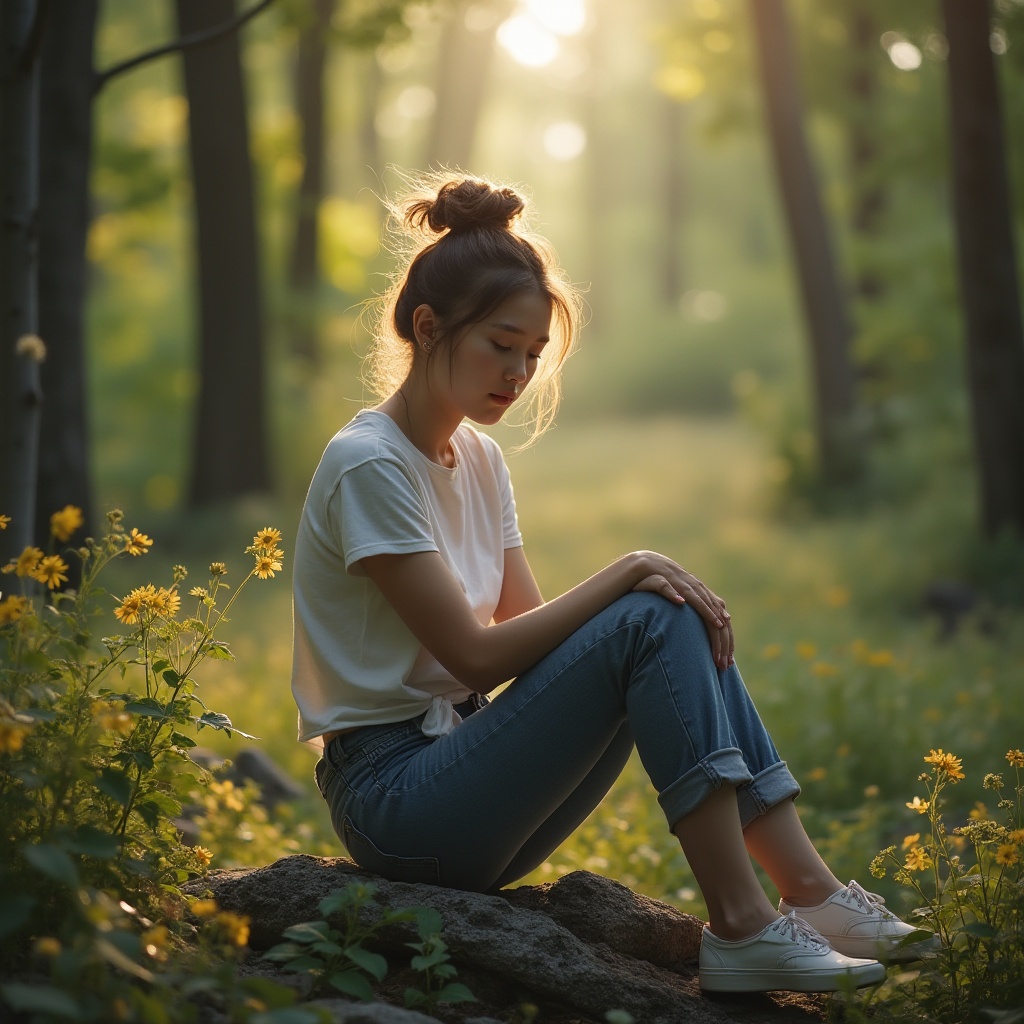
414, 598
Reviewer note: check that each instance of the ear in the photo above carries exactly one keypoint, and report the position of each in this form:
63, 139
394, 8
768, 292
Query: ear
424, 326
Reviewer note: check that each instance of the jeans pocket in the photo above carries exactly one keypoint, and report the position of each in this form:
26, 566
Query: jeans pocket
365, 853
323, 775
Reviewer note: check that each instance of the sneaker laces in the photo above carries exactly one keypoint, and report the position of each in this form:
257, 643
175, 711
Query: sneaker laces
870, 901
800, 932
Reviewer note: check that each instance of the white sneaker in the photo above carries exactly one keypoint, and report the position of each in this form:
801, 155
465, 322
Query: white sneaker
858, 923
787, 955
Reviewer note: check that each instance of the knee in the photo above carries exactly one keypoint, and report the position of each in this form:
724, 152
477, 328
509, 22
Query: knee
660, 615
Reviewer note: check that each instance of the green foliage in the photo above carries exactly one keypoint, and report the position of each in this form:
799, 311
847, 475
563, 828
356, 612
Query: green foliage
94, 768
970, 879
339, 957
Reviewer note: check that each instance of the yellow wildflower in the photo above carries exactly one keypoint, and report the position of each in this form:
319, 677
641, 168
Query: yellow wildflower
234, 926
817, 774
31, 346
1017, 836
1007, 855
110, 718
771, 652
268, 564
871, 791
917, 859
204, 856
1016, 758
992, 781
64, 523
218, 569
12, 737
837, 597
137, 543
130, 609
47, 946
824, 669
806, 650
27, 561
51, 570
4, 522
979, 812
199, 592
268, 538
879, 659
12, 608
165, 602
947, 764
919, 805
204, 908
911, 840
154, 941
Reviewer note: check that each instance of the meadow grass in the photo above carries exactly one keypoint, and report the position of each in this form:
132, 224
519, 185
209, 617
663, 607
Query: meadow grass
833, 641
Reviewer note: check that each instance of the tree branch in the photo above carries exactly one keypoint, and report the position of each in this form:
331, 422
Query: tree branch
208, 35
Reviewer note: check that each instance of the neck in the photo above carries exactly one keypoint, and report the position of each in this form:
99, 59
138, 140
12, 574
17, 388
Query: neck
426, 426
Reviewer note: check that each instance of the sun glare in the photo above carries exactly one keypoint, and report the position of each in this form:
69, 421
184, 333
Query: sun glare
565, 140
531, 34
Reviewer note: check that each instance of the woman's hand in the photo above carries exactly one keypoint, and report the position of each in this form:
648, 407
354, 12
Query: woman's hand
675, 584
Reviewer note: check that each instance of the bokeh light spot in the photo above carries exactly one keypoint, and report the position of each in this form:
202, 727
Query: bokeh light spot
565, 140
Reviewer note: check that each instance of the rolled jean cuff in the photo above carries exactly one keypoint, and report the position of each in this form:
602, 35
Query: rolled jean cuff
722, 768
768, 788
754, 794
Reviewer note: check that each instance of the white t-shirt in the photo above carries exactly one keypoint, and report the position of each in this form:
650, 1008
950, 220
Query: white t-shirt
354, 660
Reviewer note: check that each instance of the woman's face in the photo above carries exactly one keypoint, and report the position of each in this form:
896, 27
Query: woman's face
494, 360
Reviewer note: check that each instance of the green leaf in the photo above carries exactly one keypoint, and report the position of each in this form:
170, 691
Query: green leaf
94, 842
328, 948
428, 921
219, 651
53, 862
170, 677
456, 992
15, 910
116, 958
179, 739
980, 930
284, 951
307, 931
160, 665
147, 707
114, 783
372, 963
41, 999
414, 997
354, 984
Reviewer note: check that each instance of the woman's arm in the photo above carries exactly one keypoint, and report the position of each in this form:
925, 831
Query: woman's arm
519, 590
430, 601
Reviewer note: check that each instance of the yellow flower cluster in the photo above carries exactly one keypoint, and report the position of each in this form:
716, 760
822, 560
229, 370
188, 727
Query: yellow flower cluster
136, 543
148, 601
946, 764
12, 736
112, 718
267, 553
49, 569
12, 608
1016, 758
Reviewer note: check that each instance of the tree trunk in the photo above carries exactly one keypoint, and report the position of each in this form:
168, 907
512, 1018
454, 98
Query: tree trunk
65, 160
824, 301
987, 263
868, 195
463, 65
304, 274
230, 443
19, 206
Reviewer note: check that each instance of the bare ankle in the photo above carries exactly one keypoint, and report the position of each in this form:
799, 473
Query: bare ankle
736, 923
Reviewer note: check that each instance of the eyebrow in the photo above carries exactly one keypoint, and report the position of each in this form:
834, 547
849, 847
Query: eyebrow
515, 329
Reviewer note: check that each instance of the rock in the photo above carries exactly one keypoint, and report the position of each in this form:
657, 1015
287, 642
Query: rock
575, 948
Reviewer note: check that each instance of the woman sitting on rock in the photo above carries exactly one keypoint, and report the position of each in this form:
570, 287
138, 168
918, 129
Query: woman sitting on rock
414, 598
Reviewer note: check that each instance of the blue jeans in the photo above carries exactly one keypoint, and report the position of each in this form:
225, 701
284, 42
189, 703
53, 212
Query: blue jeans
487, 803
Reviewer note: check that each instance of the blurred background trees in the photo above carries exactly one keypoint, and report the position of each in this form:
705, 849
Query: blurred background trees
772, 204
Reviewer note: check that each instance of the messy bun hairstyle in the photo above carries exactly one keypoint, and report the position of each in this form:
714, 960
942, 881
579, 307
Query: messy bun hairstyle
463, 250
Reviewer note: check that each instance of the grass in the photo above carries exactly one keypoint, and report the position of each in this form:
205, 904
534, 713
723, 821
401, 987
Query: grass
832, 639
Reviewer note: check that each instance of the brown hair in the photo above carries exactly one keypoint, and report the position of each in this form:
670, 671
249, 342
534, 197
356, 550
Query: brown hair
463, 252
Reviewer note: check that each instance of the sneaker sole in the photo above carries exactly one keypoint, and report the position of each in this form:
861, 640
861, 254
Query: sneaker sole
727, 979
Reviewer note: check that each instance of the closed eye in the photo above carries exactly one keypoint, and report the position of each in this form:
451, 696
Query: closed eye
502, 348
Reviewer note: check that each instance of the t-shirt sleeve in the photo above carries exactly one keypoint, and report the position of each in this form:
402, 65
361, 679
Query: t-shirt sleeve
510, 533
376, 510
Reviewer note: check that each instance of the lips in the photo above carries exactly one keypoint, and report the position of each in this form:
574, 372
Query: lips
503, 398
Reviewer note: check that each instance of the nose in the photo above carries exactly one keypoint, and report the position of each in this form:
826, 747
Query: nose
517, 369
